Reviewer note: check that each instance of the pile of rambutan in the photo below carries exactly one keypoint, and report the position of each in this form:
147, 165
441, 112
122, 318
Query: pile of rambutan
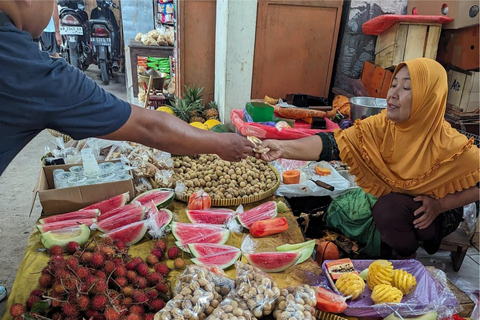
100, 281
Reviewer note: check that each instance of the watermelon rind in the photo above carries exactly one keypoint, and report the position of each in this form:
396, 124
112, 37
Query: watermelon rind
182, 231
206, 249
110, 204
220, 260
210, 216
148, 196
81, 214
43, 228
132, 208
129, 234
62, 237
120, 220
264, 211
296, 246
219, 237
273, 261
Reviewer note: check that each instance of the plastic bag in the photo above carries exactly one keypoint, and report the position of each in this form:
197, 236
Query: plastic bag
157, 221
232, 307
256, 288
470, 217
296, 303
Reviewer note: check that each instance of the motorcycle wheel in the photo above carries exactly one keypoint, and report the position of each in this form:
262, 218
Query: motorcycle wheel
104, 72
73, 55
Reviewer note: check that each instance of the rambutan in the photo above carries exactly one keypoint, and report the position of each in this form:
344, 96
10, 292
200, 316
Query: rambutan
56, 316
37, 292
45, 281
162, 287
109, 267
86, 257
107, 251
140, 297
136, 309
157, 253
127, 301
99, 302
157, 304
134, 316
100, 286
141, 283
152, 294
92, 314
72, 263
161, 268
131, 275
120, 271
97, 260
143, 269
90, 281
70, 283
83, 302
72, 246
121, 281
179, 263
161, 245
118, 262
61, 274
130, 265
31, 300
120, 245
107, 241
152, 260
55, 250
111, 314
56, 299
128, 291
149, 316
58, 288
47, 270
57, 260
17, 309
173, 252
100, 274
82, 273
153, 278
69, 310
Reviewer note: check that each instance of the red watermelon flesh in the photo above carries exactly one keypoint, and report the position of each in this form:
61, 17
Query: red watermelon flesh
63, 224
208, 249
129, 234
221, 260
110, 204
211, 216
264, 211
219, 237
132, 208
161, 197
120, 220
81, 214
273, 261
161, 218
182, 231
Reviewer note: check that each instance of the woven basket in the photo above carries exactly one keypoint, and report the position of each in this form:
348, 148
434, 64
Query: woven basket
243, 200
57, 134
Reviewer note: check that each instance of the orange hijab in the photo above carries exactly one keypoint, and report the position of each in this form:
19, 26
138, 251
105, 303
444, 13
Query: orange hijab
421, 156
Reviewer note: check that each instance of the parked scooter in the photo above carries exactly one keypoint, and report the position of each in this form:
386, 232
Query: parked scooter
74, 29
105, 39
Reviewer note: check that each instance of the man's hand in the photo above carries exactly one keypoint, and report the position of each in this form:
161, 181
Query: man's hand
234, 147
430, 208
58, 38
273, 154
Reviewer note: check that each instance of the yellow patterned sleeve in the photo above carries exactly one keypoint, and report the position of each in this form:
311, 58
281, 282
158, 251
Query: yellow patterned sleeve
385, 293
404, 281
350, 284
379, 272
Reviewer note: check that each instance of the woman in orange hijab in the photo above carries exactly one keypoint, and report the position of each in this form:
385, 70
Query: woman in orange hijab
422, 170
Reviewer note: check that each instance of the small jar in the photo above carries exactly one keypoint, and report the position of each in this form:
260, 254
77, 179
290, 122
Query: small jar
60, 179
92, 181
77, 181
106, 167
78, 170
122, 177
106, 177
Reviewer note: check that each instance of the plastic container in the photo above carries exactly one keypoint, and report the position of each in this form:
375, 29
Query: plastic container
90, 165
259, 111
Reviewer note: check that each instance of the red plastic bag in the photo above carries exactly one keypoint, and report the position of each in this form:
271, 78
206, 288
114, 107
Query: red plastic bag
381, 23
267, 132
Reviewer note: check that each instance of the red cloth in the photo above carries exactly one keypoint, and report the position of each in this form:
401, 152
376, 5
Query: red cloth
381, 23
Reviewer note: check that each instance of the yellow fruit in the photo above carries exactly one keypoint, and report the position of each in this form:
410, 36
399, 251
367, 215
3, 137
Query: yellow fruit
211, 123
166, 109
350, 284
199, 125
385, 293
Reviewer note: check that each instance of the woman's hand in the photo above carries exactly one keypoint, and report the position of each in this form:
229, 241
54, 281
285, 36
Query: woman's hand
430, 208
273, 154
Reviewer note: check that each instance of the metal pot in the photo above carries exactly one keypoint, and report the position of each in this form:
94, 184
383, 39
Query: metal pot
363, 107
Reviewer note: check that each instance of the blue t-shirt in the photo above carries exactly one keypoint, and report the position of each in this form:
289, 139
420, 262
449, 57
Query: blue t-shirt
38, 92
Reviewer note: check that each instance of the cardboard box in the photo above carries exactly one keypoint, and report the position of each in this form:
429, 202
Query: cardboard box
55, 201
463, 90
460, 48
376, 80
459, 10
404, 41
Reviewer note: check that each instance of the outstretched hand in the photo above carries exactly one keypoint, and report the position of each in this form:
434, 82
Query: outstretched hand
430, 208
273, 153
234, 147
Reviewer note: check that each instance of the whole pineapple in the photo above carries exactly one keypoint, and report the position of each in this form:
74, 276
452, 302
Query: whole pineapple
182, 109
211, 111
196, 116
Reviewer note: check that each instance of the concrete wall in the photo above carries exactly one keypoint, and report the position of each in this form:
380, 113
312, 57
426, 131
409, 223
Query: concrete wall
354, 47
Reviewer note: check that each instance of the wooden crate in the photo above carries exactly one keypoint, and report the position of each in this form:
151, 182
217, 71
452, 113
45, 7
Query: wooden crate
463, 90
404, 41
376, 80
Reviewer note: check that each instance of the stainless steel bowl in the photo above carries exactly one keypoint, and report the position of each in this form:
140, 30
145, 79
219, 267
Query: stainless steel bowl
363, 107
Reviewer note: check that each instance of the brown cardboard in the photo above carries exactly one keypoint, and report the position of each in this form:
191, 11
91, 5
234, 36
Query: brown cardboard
463, 90
459, 10
55, 201
460, 48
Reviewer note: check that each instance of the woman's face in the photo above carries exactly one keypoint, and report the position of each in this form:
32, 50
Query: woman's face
399, 97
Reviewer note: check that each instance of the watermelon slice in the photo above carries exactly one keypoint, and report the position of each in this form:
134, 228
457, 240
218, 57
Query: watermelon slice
131, 208
208, 249
110, 204
273, 261
120, 220
129, 234
62, 237
64, 224
211, 216
264, 211
82, 214
220, 260
161, 197
183, 231
219, 237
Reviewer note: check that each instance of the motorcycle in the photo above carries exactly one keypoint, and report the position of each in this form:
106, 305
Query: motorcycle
74, 30
105, 39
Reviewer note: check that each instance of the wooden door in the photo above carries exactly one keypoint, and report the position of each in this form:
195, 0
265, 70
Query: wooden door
295, 47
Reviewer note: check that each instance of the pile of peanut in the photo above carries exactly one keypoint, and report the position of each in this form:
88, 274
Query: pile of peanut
296, 303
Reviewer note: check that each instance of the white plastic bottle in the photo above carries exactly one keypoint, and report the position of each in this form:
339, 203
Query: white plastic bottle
90, 165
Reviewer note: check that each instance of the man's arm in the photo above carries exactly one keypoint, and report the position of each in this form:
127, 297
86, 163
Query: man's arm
56, 21
166, 132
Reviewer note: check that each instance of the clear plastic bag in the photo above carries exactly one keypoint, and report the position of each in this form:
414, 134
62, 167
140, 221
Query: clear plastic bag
470, 217
296, 303
232, 307
256, 288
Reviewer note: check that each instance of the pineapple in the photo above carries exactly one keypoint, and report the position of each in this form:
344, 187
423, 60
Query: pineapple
193, 95
197, 119
211, 112
182, 109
